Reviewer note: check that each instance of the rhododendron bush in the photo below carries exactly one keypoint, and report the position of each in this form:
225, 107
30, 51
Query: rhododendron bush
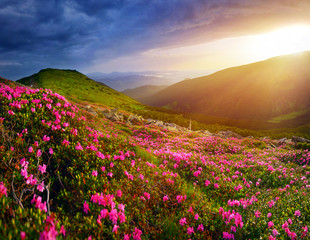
64, 175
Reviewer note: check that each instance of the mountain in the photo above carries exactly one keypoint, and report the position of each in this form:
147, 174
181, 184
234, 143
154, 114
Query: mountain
78, 87
274, 91
121, 81
126, 80
143, 91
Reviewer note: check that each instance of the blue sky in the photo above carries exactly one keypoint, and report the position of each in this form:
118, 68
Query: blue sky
129, 35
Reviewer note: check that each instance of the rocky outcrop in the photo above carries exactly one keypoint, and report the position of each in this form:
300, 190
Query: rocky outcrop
228, 134
113, 115
296, 140
134, 119
89, 109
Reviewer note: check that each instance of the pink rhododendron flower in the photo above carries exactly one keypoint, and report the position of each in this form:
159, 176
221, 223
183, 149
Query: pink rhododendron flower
51, 151
3, 190
137, 234
39, 153
182, 221
126, 236
115, 227
165, 198
42, 168
297, 213
257, 214
40, 187
62, 230
85, 207
22, 235
95, 173
270, 224
119, 193
200, 228
190, 230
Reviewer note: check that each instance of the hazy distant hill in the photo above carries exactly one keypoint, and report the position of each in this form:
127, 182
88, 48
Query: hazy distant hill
127, 80
143, 91
274, 90
75, 85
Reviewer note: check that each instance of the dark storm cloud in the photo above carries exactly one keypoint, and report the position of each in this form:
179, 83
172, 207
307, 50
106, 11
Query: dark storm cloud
76, 33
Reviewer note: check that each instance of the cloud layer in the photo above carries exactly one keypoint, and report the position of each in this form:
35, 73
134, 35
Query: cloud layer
77, 34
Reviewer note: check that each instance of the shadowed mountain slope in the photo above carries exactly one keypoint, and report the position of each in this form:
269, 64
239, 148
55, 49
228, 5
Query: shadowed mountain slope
273, 90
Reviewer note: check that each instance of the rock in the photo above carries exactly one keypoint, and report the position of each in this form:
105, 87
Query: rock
113, 115
158, 123
150, 121
114, 111
134, 119
89, 109
228, 134
296, 140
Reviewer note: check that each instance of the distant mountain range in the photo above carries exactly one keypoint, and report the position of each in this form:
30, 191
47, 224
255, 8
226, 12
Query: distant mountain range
143, 91
276, 90
121, 81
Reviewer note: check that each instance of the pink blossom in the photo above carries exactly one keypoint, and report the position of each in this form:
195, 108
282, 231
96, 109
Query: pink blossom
257, 214
122, 217
39, 153
126, 236
95, 173
40, 187
137, 234
104, 213
275, 232
121, 207
119, 193
113, 216
270, 224
165, 198
51, 151
115, 227
30, 149
196, 216
22, 235
78, 146
207, 182
3, 190
86, 207
190, 230
62, 230
269, 215
182, 221
42, 168
200, 228
216, 185
297, 213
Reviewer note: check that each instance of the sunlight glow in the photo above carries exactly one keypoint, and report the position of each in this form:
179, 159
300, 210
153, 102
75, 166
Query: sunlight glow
283, 41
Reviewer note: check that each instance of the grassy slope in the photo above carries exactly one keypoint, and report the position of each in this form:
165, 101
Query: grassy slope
160, 163
259, 91
79, 88
143, 91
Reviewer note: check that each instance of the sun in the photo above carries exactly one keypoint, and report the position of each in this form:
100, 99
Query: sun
282, 41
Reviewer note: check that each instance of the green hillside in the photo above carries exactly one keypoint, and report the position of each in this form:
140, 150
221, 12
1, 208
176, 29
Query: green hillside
143, 91
79, 88
66, 175
274, 91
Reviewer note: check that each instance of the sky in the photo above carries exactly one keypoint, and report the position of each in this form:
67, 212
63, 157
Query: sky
147, 35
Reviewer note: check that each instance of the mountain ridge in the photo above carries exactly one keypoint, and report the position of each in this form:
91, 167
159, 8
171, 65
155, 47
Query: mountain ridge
261, 90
